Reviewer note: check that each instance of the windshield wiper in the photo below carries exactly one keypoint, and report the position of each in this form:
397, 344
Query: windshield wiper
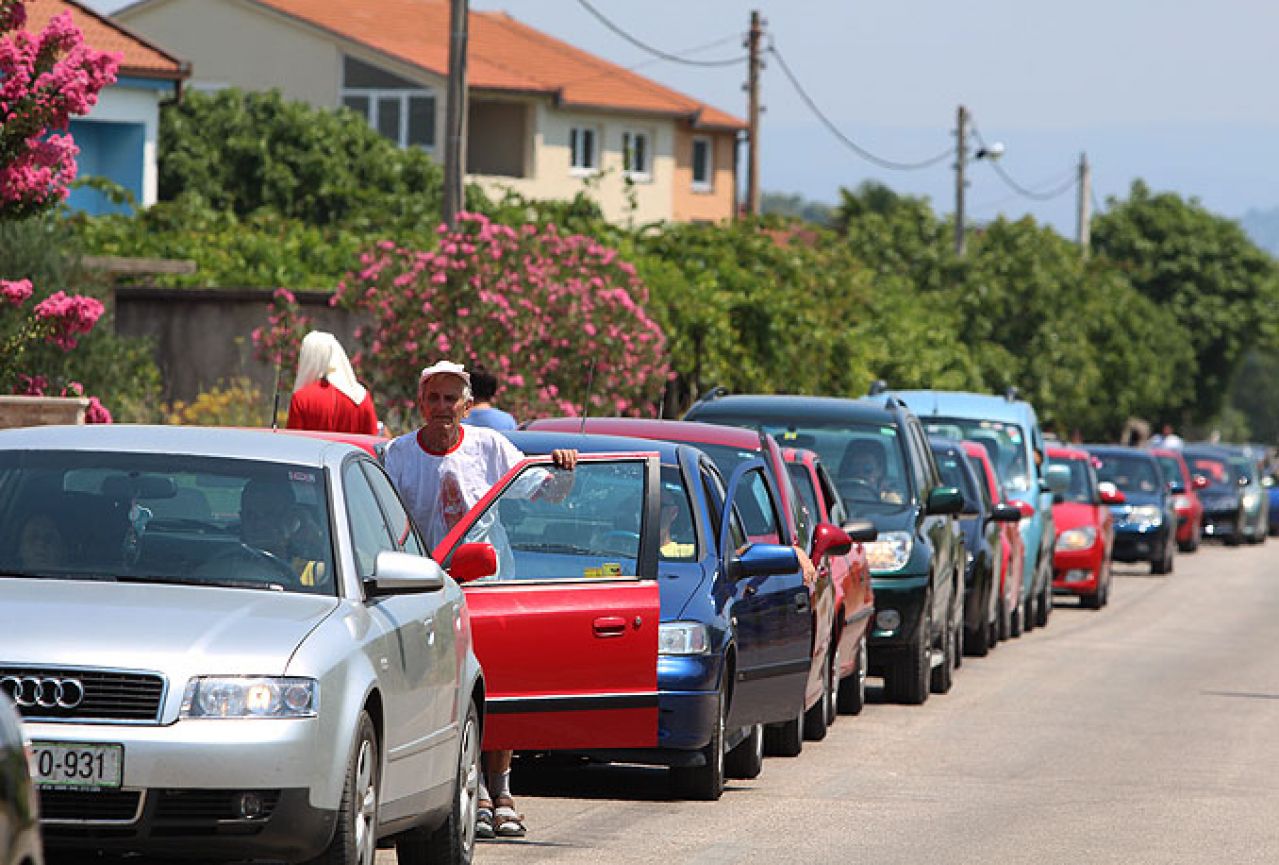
565, 549
221, 582
61, 575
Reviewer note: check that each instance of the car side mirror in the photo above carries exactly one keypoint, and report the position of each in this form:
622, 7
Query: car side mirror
396, 573
1110, 494
861, 531
1200, 482
1005, 513
944, 500
1177, 488
830, 540
1058, 478
472, 562
762, 560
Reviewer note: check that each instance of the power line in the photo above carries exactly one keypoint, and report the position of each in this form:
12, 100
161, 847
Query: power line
1046, 195
848, 142
656, 52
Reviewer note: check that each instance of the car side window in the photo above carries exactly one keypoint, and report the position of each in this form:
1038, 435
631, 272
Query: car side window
401, 525
759, 513
369, 532
834, 504
919, 466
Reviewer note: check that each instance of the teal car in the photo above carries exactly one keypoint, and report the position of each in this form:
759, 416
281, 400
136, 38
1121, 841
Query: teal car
1008, 429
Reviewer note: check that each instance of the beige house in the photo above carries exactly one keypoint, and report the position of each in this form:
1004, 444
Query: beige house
546, 119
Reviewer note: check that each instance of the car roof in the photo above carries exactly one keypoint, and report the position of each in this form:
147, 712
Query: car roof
266, 445
1063, 452
545, 441
775, 406
964, 404
684, 431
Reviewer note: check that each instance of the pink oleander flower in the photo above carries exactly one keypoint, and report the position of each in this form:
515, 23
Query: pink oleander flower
68, 317
96, 412
15, 292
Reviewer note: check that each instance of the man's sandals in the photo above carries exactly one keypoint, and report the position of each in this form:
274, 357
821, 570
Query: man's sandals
500, 822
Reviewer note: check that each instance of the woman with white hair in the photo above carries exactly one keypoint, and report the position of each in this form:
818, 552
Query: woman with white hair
326, 394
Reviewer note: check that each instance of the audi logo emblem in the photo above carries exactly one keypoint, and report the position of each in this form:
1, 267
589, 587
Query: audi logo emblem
43, 692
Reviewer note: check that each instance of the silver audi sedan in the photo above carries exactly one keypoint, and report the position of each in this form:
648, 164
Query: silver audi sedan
232, 644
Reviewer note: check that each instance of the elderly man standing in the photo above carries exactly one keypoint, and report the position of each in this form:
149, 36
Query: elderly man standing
442, 470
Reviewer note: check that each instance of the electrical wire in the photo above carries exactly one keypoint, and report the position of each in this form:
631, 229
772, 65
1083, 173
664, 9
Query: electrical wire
848, 142
1047, 195
657, 52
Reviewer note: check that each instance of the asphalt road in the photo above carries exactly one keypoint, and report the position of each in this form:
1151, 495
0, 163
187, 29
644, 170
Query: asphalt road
1147, 732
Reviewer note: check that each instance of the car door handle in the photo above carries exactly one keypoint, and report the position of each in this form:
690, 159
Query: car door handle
801, 602
609, 626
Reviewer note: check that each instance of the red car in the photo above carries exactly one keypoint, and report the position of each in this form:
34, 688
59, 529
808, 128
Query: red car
728, 447
1012, 554
1190, 511
849, 573
1085, 530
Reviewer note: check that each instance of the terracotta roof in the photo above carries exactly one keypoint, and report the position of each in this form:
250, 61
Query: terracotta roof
141, 58
503, 55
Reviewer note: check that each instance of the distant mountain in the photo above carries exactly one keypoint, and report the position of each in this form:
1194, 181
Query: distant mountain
1263, 227
785, 204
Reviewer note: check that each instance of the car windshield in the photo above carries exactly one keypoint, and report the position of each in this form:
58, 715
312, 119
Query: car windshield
1081, 488
1171, 469
159, 518
1215, 470
868, 466
589, 528
1130, 473
1005, 444
955, 473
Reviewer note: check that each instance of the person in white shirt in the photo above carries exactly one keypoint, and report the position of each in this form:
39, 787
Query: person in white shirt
442, 470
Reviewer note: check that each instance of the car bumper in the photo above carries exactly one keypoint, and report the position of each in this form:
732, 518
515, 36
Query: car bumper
1078, 572
1138, 545
1221, 523
905, 595
182, 785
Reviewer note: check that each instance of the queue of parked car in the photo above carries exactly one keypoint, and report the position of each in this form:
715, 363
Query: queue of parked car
235, 643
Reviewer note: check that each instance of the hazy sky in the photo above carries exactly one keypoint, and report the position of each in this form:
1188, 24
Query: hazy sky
1182, 93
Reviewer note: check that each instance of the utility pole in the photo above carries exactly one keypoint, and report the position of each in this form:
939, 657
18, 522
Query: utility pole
752, 121
1084, 188
961, 160
455, 114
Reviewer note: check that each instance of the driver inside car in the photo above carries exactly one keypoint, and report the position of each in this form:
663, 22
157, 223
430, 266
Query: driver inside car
272, 522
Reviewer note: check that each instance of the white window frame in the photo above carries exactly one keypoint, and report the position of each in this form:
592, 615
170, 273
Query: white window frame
575, 137
643, 172
375, 94
707, 185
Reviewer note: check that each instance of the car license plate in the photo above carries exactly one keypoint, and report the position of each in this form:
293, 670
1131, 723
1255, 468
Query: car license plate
75, 764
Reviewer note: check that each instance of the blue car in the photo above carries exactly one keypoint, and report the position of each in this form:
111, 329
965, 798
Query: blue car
1271, 483
1146, 523
1009, 430
733, 644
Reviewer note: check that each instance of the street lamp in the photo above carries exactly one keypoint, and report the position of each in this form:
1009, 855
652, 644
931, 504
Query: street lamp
993, 151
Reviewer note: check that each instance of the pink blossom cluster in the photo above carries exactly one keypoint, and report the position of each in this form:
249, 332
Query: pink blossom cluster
38, 385
15, 292
537, 307
279, 342
68, 316
45, 80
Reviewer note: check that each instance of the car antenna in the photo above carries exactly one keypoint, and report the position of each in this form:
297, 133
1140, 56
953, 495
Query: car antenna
586, 400
275, 401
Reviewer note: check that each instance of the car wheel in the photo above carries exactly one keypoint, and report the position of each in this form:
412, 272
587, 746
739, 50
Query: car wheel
785, 739
1004, 622
453, 843
705, 783
1015, 620
1192, 543
746, 759
1162, 565
852, 690
977, 641
816, 717
908, 678
1045, 602
942, 677
355, 835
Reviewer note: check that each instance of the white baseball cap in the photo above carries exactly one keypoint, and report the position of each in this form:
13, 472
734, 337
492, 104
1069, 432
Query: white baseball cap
447, 367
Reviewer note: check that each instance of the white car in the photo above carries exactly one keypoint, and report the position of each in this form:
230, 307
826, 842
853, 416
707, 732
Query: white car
232, 644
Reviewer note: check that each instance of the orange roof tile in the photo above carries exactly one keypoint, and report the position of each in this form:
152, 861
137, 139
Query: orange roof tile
141, 58
503, 54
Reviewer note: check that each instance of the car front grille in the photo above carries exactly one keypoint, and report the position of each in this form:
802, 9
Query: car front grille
105, 695
198, 806
83, 806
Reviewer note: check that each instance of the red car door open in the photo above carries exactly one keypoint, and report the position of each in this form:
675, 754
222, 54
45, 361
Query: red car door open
559, 570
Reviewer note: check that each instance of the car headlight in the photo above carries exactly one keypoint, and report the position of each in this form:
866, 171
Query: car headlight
683, 638
1148, 514
1181, 503
890, 551
251, 697
1251, 500
1077, 539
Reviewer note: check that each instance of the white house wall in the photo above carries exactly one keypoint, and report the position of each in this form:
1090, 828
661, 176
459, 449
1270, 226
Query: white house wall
131, 105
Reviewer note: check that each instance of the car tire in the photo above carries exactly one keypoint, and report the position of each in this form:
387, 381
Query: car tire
1163, 565
1028, 613
977, 641
908, 678
1193, 544
942, 677
746, 759
354, 839
453, 842
1015, 620
817, 716
785, 739
1045, 609
705, 783
852, 690
1003, 622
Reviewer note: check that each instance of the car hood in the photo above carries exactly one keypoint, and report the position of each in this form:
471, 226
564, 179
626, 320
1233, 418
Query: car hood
1072, 515
177, 629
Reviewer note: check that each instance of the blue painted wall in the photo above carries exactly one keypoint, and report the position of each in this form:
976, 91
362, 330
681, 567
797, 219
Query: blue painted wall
112, 150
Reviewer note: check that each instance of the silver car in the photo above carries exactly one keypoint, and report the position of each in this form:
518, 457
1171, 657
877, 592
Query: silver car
19, 829
231, 644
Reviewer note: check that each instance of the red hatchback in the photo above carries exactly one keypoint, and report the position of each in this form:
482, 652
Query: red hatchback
1085, 530
1190, 511
849, 573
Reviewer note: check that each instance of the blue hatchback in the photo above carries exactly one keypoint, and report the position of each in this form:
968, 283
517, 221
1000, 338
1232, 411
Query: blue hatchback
1146, 523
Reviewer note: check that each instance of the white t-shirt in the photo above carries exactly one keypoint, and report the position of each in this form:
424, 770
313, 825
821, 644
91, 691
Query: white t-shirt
440, 488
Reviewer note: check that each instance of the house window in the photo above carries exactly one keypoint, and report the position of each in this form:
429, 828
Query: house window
702, 164
581, 144
401, 110
636, 155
